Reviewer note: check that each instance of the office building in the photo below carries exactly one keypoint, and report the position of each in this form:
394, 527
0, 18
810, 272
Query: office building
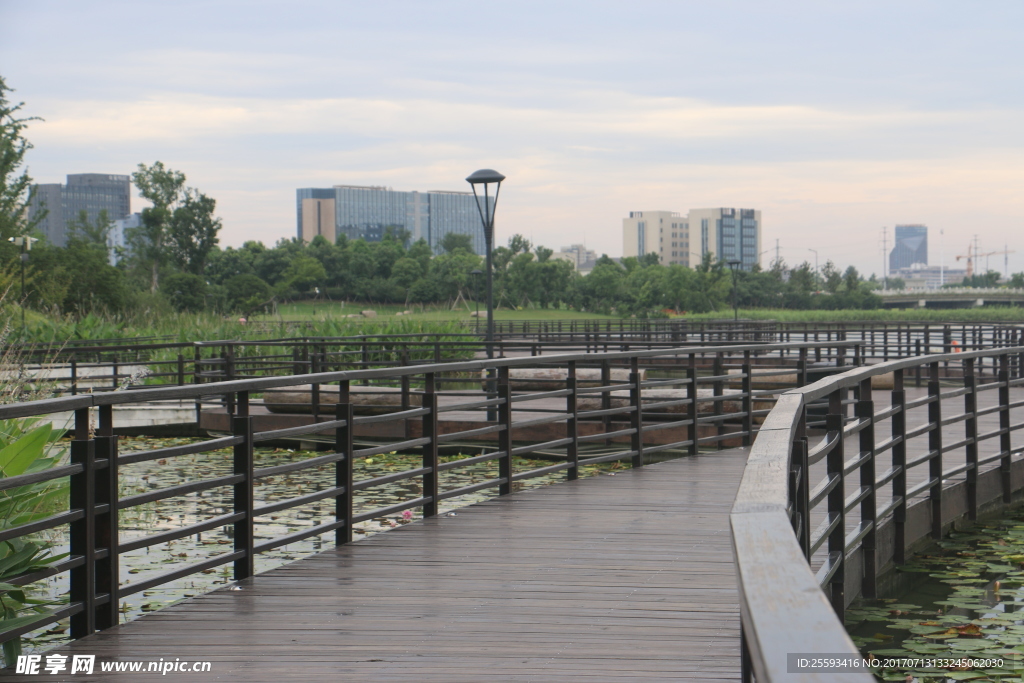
656, 232
89, 192
727, 234
367, 212
576, 254
911, 247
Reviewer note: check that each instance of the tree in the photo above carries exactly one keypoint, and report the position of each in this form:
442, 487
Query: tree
193, 233
518, 244
81, 230
247, 293
178, 229
164, 188
15, 187
186, 292
457, 240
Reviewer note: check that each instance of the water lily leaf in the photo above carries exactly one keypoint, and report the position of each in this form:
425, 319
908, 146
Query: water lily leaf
973, 645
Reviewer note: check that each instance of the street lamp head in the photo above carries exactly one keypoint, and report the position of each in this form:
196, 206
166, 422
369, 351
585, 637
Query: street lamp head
476, 271
484, 176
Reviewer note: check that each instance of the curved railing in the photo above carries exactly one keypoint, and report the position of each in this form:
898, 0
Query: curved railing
819, 516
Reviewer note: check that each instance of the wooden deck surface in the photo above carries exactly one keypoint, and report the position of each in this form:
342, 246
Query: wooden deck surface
614, 578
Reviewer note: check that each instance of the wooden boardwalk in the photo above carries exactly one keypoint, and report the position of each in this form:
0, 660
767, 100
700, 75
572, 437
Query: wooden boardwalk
613, 578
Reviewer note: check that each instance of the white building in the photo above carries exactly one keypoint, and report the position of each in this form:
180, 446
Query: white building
656, 232
727, 234
116, 236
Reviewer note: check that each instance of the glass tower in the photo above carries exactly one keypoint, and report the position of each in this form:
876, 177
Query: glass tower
911, 247
89, 192
366, 212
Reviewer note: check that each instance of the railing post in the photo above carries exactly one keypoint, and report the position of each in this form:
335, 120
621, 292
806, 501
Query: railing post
314, 388
801, 367
343, 445
971, 434
430, 458
242, 425
181, 370
804, 500
606, 397
572, 451
197, 377
74, 375
107, 569
691, 394
82, 541
636, 417
228, 375
1004, 426
917, 368
864, 410
898, 425
748, 401
505, 435
718, 369
835, 462
935, 449
405, 381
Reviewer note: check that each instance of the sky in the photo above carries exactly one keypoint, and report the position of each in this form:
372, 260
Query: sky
838, 120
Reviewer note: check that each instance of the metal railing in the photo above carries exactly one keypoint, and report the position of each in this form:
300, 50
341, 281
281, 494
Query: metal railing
108, 366
581, 421
820, 514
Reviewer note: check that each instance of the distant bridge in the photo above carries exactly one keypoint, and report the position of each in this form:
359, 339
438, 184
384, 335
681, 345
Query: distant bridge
961, 297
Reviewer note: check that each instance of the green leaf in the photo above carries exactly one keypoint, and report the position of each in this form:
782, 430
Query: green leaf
16, 457
17, 622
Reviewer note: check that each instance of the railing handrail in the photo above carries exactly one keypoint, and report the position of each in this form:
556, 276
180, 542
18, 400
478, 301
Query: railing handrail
782, 605
67, 403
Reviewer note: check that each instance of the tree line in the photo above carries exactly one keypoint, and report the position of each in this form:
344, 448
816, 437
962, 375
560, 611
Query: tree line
174, 259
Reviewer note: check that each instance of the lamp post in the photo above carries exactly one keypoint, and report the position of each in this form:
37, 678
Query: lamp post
476, 273
734, 266
487, 177
25, 242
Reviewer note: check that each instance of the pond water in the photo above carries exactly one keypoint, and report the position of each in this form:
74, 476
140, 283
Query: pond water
966, 607
182, 511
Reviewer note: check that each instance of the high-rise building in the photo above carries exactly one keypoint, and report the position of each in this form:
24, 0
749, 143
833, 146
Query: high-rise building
727, 234
656, 232
366, 212
89, 192
911, 247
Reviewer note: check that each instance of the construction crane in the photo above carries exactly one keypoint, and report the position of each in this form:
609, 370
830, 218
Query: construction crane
973, 254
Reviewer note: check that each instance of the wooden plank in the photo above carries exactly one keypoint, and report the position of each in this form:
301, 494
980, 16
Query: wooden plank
627, 577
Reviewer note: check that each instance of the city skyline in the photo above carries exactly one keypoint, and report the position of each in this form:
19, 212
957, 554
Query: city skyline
832, 122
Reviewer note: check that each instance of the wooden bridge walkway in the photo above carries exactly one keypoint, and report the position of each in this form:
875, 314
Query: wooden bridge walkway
613, 578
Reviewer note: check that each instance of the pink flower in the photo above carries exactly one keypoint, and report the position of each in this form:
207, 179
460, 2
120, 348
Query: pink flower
407, 515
